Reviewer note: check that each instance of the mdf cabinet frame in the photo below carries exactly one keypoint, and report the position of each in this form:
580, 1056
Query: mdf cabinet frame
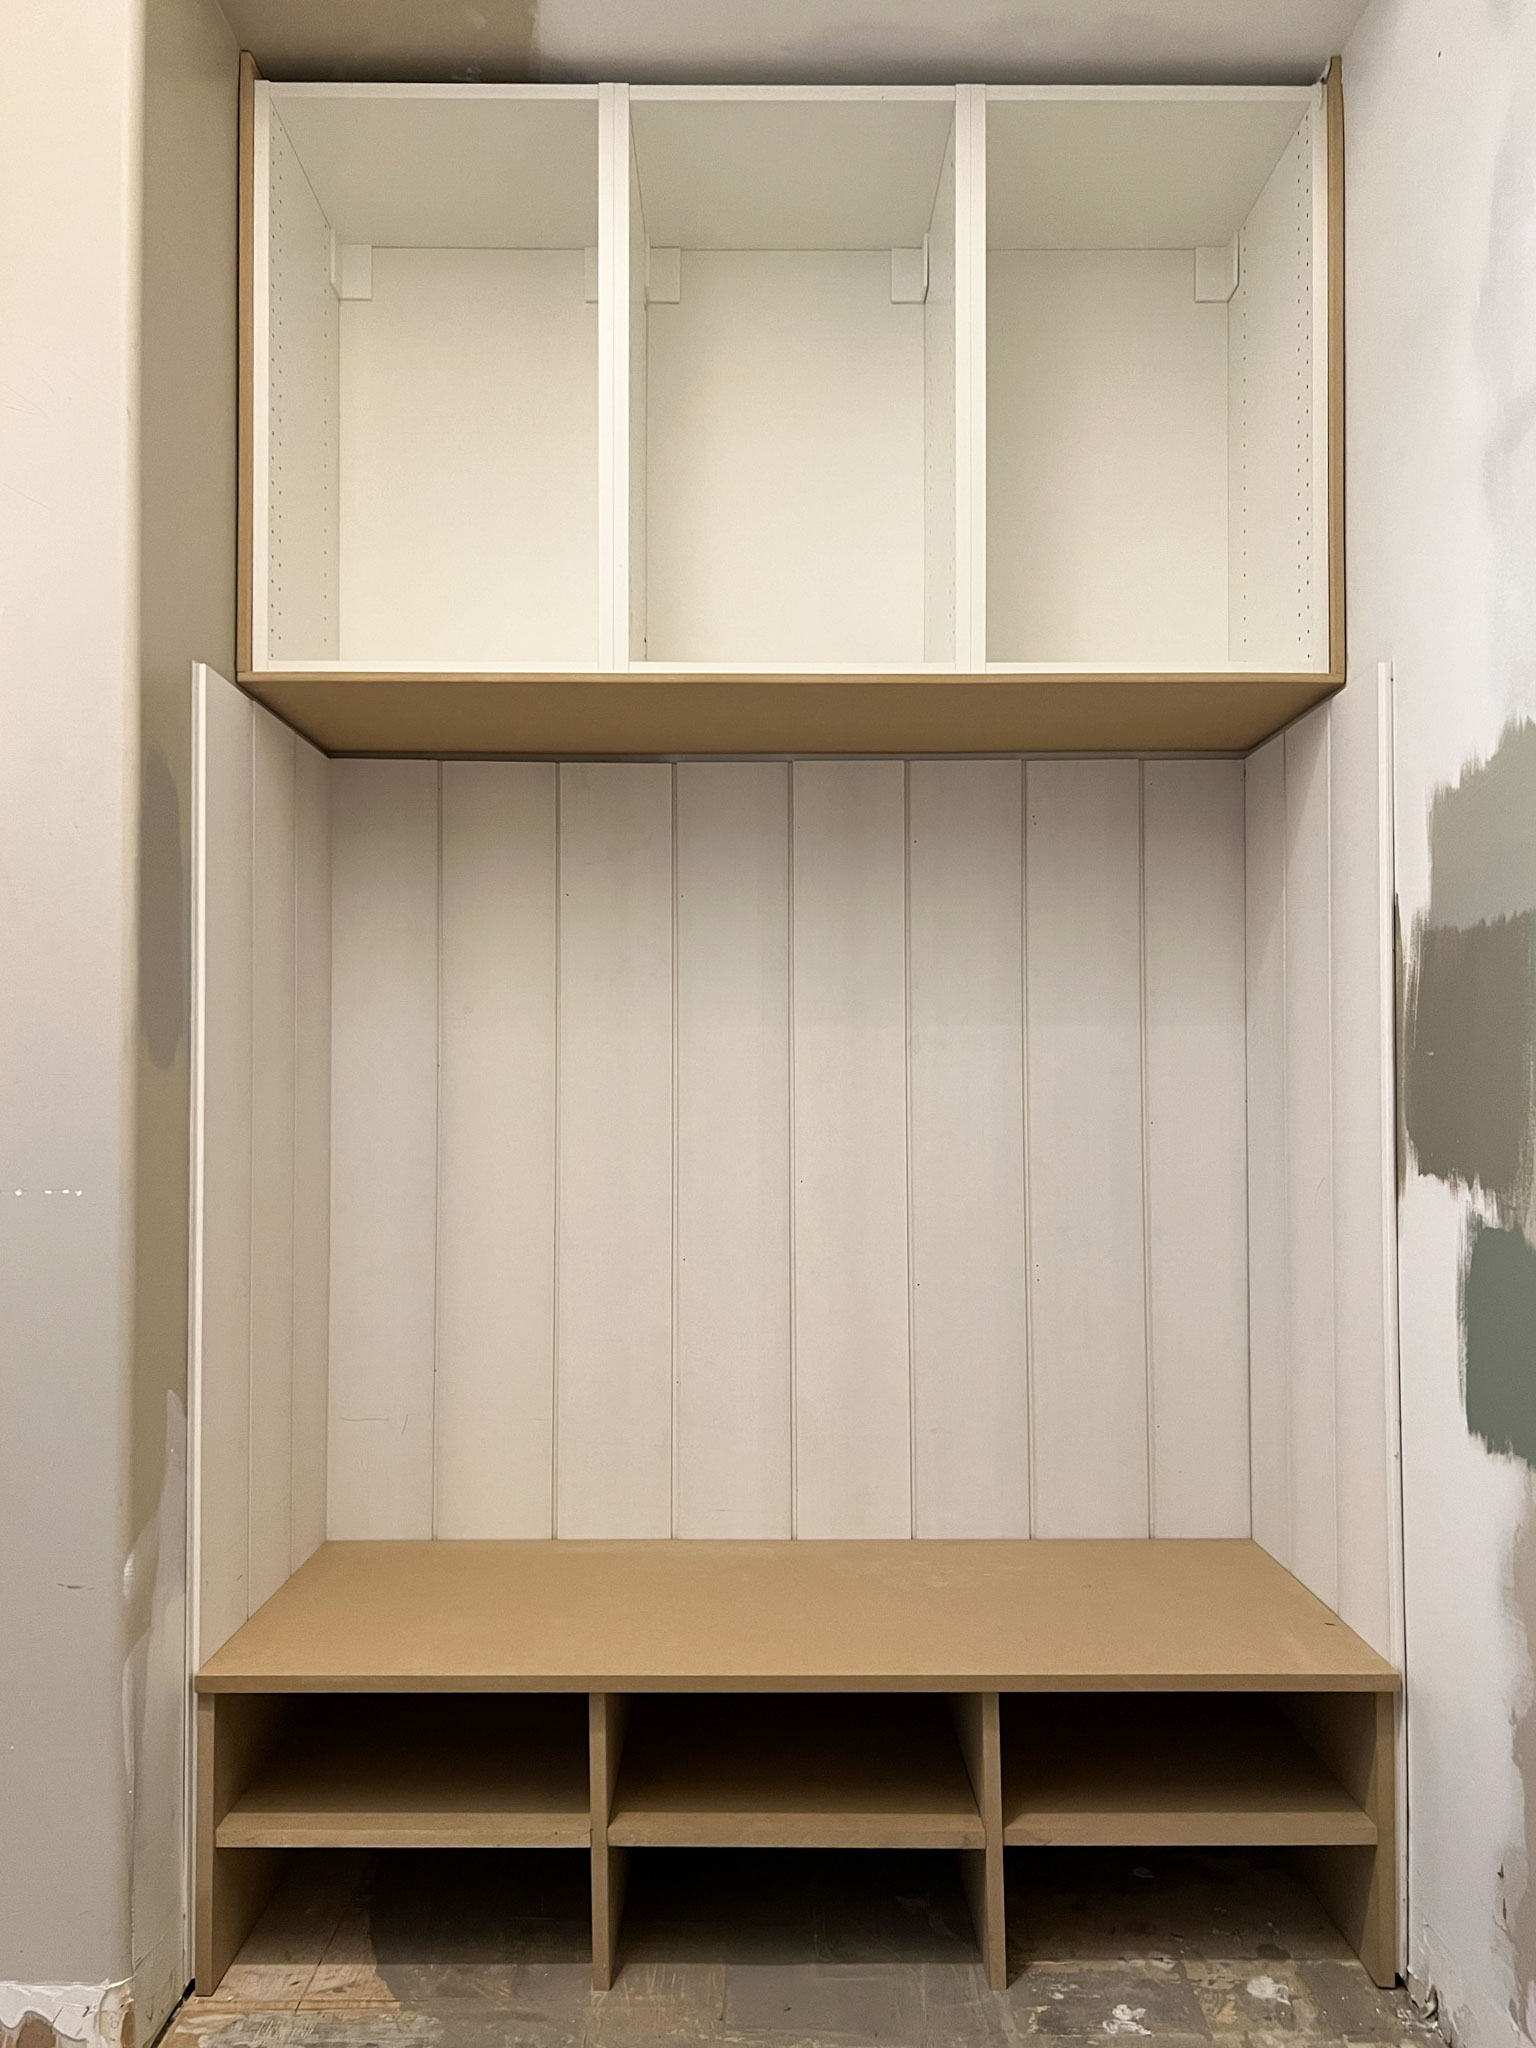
637, 707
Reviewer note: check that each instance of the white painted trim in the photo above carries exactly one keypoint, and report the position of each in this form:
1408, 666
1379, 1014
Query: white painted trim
970, 377
198, 975
613, 312
261, 377
1321, 581
1397, 1648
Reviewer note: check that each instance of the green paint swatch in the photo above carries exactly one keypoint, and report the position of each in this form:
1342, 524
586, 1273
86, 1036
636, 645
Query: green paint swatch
1498, 1319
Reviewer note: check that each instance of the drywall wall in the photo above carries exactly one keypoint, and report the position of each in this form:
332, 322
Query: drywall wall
69, 747
1442, 534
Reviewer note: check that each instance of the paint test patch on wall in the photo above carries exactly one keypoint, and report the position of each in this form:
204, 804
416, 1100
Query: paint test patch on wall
1469, 1057
1498, 1295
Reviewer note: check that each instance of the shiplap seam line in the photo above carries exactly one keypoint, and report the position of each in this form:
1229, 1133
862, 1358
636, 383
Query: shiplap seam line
437, 1155
1247, 1151
1284, 1164
293, 1146
250, 1170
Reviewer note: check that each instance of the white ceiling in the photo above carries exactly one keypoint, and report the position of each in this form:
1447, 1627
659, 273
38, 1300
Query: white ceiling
789, 41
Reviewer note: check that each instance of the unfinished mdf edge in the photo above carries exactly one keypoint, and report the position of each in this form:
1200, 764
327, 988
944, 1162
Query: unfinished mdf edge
1333, 108
1355, 1735
979, 1729
608, 1714
231, 1886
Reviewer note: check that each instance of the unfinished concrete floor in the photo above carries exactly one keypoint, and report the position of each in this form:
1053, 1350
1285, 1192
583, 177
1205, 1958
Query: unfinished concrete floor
779, 1948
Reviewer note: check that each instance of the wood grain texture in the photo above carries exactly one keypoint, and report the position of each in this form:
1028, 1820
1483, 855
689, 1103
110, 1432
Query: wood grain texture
384, 867
419, 1773
765, 1772
970, 1369
784, 1617
734, 1383
1197, 1234
613, 1430
1088, 1355
655, 713
230, 1887
852, 1361
496, 1151
1153, 1773
273, 1132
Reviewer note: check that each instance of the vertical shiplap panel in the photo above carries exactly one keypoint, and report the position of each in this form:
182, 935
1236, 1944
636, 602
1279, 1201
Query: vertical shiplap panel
1269, 1297
272, 1153
613, 1417
311, 1147
1309, 1126
1087, 1264
1197, 1154
384, 883
225, 1335
970, 1343
496, 1151
852, 1356
733, 1461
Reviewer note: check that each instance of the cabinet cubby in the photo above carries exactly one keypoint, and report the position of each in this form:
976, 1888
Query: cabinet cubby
658, 419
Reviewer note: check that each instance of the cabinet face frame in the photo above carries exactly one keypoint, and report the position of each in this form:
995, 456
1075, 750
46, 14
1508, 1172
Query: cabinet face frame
1315, 680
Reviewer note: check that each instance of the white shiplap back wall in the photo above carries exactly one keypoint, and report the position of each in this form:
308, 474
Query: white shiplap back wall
742, 1149
262, 1120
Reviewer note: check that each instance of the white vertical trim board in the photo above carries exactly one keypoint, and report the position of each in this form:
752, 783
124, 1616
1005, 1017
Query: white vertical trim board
733, 1309
613, 1454
223, 1336
496, 1147
1087, 1261
311, 1148
384, 878
1269, 1301
1197, 1152
970, 1362
852, 1360
1309, 1126
273, 1075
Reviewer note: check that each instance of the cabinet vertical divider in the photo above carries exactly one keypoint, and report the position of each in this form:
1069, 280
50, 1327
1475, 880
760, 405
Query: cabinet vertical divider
608, 1714
978, 1725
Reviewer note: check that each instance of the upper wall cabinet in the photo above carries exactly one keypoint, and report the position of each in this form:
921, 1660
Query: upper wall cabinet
1157, 379
426, 377
585, 419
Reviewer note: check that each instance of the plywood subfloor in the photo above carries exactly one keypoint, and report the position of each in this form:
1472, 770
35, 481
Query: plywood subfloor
1196, 1950
697, 1616
412, 1773
1168, 1772
813, 1772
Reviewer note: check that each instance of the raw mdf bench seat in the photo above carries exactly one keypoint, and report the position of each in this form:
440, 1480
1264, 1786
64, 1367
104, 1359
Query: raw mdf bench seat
609, 1696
